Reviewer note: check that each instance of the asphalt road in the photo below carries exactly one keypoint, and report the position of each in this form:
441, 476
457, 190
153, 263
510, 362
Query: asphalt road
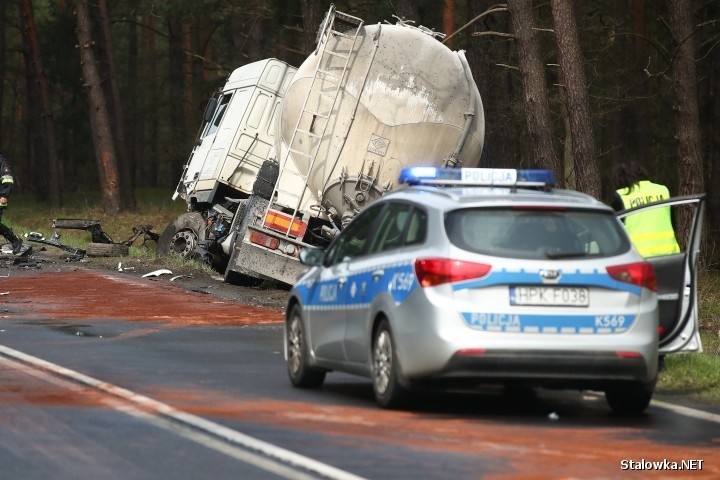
105, 393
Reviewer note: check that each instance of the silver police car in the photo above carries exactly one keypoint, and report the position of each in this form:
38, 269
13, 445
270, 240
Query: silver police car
476, 276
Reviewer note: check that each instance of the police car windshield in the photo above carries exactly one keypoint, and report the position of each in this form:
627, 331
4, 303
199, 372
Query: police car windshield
536, 234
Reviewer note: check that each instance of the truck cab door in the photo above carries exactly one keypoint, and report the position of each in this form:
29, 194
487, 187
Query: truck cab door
676, 276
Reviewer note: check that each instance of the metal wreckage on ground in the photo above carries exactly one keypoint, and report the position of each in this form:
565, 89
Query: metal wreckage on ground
101, 244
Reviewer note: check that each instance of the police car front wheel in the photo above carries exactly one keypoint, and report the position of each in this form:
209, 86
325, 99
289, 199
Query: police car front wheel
389, 393
301, 374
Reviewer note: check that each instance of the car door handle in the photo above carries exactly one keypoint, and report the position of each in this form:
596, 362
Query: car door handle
342, 281
378, 273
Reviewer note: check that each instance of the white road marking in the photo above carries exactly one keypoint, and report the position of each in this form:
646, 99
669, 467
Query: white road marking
687, 411
269, 457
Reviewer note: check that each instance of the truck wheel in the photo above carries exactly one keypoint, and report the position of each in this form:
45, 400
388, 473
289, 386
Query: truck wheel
182, 236
106, 250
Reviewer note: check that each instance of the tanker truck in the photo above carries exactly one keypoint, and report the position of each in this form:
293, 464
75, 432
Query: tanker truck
286, 157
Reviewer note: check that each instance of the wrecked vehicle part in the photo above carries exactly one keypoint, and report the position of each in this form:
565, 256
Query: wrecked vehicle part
54, 241
182, 236
157, 273
93, 226
98, 236
201, 236
145, 230
107, 250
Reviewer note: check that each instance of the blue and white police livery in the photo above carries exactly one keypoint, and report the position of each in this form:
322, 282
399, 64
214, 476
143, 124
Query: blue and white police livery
485, 275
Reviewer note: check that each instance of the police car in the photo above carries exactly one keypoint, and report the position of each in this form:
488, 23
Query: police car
492, 276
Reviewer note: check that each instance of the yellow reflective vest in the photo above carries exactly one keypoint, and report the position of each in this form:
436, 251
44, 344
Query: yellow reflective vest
651, 232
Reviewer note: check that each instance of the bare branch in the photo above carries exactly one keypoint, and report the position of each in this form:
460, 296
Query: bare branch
507, 66
494, 9
494, 34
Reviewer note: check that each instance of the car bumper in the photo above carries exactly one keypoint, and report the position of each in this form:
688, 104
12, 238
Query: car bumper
437, 344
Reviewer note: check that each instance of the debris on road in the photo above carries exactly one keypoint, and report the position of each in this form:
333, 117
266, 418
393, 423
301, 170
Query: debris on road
157, 273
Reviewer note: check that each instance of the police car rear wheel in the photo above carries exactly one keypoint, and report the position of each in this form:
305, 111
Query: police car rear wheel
386, 376
629, 399
301, 374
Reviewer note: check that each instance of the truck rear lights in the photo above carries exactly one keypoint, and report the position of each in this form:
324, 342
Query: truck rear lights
641, 274
264, 240
436, 271
285, 224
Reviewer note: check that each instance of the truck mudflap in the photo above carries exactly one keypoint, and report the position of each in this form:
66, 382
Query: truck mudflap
260, 252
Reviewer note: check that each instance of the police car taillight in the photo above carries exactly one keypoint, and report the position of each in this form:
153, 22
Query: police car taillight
641, 274
436, 271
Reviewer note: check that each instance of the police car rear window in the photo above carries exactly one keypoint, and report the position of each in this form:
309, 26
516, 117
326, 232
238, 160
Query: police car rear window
537, 234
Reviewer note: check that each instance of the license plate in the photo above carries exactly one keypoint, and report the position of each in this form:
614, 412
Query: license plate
550, 296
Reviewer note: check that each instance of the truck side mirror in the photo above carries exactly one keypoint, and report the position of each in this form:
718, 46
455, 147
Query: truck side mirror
210, 109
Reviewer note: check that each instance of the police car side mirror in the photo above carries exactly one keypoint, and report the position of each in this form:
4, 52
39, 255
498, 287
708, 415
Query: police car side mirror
312, 256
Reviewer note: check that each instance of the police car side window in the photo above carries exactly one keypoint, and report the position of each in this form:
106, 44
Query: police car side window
352, 241
390, 228
417, 229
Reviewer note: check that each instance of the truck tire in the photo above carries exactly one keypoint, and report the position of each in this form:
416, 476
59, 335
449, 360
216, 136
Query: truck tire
106, 250
182, 236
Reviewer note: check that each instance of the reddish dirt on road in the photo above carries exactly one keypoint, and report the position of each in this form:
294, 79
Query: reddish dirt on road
90, 294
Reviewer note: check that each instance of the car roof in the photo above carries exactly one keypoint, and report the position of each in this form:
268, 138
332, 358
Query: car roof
451, 197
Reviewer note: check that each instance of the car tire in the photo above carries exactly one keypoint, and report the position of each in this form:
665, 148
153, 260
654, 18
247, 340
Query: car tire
301, 374
629, 399
106, 250
389, 393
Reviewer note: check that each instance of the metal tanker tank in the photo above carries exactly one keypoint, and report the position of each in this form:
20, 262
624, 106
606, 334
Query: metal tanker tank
371, 100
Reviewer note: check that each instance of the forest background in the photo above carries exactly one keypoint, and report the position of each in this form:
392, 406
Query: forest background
109, 95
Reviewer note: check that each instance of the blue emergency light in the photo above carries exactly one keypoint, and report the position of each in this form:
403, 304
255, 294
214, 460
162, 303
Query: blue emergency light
485, 177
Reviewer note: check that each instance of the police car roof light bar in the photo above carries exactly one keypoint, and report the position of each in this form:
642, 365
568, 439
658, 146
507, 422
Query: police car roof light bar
485, 177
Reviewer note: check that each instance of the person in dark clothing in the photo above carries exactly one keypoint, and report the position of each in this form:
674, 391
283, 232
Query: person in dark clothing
6, 185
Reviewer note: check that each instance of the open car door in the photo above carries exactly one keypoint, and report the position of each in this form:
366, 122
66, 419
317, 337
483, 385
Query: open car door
677, 277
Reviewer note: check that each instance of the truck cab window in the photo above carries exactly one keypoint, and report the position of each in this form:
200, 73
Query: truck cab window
220, 111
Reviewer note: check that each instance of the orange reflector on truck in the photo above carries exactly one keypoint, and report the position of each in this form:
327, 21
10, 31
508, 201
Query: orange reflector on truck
280, 222
264, 240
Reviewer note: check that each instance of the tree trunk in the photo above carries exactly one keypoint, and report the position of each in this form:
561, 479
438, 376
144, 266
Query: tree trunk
177, 99
36, 144
687, 123
535, 90
99, 116
3, 64
126, 168
496, 88
449, 20
571, 64
149, 164
407, 10
713, 186
637, 137
312, 12
248, 34
132, 99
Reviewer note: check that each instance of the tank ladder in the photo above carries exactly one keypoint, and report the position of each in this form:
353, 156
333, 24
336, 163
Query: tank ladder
325, 88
